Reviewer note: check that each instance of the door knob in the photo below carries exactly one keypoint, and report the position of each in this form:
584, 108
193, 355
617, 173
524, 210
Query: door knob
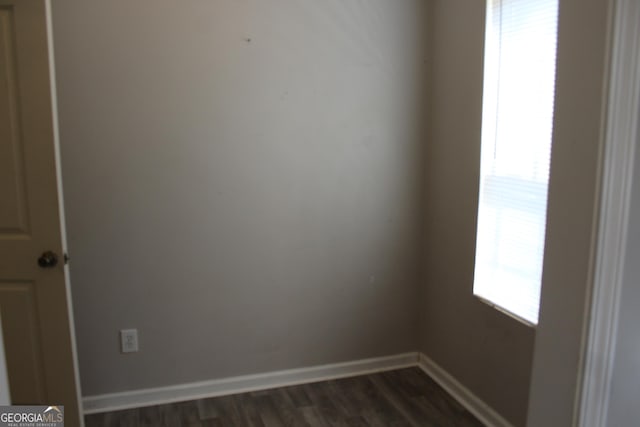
48, 259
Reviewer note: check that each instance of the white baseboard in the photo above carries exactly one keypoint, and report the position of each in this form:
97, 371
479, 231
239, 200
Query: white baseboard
245, 383
463, 395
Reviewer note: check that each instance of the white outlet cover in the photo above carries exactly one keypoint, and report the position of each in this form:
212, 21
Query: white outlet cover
128, 340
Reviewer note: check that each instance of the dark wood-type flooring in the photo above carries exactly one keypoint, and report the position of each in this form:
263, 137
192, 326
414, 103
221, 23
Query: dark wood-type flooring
404, 397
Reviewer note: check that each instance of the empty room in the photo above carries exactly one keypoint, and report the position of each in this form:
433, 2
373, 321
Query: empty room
320, 213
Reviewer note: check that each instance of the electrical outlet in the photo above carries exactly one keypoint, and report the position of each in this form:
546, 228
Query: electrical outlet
128, 340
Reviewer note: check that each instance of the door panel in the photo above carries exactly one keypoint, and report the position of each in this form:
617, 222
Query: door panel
13, 212
21, 330
33, 300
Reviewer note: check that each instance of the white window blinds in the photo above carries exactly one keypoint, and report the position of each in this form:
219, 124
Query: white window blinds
519, 77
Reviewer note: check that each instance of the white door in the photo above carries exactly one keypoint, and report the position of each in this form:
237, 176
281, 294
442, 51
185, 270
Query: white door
5, 398
33, 295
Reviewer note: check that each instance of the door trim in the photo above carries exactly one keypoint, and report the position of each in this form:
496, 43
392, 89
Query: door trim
5, 394
615, 197
63, 229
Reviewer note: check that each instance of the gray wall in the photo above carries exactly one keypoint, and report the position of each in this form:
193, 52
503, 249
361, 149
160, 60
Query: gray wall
243, 184
240, 182
487, 351
572, 210
625, 388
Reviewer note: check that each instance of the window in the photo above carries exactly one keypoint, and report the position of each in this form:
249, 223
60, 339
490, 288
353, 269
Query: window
517, 120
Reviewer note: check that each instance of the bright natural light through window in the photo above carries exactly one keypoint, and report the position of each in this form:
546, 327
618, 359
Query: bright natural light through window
517, 120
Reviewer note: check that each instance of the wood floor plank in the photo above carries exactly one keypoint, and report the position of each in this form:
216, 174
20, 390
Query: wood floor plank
268, 412
286, 408
401, 398
298, 396
321, 397
313, 417
126, 418
249, 414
